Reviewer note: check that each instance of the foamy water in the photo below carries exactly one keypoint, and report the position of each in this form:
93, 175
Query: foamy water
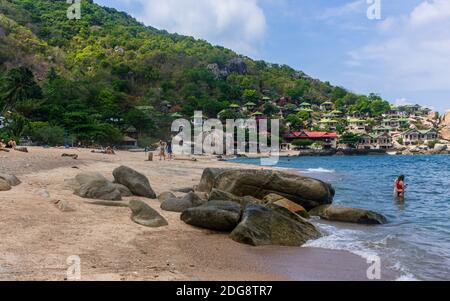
416, 241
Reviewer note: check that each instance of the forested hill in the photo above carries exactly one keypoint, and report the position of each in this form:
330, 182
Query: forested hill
96, 77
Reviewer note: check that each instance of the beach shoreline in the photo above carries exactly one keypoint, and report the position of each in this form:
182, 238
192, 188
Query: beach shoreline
37, 238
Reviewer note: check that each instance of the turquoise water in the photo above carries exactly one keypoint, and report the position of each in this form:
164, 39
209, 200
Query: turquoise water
416, 241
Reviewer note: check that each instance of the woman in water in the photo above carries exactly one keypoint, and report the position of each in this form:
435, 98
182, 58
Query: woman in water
400, 187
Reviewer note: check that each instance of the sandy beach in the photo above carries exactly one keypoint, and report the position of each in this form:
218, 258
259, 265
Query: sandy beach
36, 238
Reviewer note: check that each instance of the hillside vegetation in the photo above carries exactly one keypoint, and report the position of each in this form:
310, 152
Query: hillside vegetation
90, 80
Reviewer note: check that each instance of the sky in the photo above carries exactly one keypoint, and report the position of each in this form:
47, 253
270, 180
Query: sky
399, 49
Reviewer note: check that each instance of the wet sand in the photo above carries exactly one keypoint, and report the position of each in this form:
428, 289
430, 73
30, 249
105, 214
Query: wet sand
37, 238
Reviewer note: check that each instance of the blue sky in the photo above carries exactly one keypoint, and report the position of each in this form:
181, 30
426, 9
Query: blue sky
404, 56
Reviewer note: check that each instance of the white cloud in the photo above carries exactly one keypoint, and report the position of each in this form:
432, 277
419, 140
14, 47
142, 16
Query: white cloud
237, 24
357, 6
411, 53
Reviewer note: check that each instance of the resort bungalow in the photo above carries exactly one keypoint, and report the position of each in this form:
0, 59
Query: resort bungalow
336, 114
395, 123
329, 140
419, 137
356, 125
305, 105
376, 141
235, 107
327, 106
249, 106
382, 130
129, 143
330, 124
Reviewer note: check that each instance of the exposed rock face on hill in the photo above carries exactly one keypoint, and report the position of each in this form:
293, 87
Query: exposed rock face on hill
445, 124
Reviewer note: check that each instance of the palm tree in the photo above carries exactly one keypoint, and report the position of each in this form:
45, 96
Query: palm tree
19, 85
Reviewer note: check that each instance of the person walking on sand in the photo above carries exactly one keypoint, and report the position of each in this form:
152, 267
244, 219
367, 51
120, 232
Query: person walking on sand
400, 187
162, 150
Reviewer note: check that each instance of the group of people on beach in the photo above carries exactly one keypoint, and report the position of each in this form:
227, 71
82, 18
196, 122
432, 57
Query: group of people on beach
165, 150
10, 145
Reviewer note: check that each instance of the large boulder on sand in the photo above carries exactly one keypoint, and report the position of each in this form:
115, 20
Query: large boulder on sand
166, 196
190, 200
307, 192
4, 185
208, 178
145, 215
93, 185
124, 191
214, 215
348, 215
11, 179
278, 200
135, 181
265, 226
219, 195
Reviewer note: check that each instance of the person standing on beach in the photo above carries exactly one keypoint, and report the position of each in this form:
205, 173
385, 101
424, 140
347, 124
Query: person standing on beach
162, 150
400, 187
169, 149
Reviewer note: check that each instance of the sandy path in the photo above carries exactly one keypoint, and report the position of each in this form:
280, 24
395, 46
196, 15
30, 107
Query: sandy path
36, 238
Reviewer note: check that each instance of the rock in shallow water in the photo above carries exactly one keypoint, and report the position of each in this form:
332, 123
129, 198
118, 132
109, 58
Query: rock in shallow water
214, 215
137, 183
145, 215
348, 215
264, 226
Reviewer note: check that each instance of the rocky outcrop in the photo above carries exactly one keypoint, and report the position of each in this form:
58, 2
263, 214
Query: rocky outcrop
136, 182
237, 65
219, 195
445, 124
11, 179
190, 200
214, 215
94, 186
4, 185
124, 191
307, 192
264, 226
208, 178
166, 196
144, 215
277, 200
348, 215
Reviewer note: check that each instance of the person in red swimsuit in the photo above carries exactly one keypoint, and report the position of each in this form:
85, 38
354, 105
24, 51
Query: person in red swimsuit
400, 187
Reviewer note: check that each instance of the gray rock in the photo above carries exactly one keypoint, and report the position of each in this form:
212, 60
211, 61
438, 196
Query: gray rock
208, 178
124, 191
145, 215
95, 186
135, 181
184, 189
348, 215
4, 185
191, 200
11, 179
214, 215
166, 196
264, 226
237, 65
219, 195
307, 192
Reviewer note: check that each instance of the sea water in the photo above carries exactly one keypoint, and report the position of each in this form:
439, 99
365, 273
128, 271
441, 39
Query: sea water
416, 241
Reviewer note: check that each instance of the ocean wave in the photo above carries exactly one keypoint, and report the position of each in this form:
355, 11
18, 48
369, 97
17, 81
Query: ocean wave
347, 240
319, 170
